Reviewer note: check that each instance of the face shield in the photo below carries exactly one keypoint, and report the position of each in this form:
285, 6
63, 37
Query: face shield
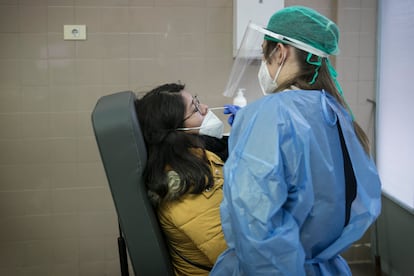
249, 57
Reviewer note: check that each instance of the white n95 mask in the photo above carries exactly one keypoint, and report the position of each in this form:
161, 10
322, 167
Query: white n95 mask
211, 126
267, 84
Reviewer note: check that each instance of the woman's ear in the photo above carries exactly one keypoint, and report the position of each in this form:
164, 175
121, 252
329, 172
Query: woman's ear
281, 53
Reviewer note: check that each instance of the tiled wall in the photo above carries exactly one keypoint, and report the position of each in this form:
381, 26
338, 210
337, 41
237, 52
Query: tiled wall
56, 211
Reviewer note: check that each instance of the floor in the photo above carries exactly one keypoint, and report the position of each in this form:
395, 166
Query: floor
363, 269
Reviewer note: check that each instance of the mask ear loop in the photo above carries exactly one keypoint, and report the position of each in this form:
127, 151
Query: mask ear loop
279, 69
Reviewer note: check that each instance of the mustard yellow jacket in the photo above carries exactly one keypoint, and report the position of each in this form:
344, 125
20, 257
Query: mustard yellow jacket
192, 225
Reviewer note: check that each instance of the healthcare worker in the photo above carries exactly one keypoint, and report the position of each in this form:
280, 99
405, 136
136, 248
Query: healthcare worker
300, 185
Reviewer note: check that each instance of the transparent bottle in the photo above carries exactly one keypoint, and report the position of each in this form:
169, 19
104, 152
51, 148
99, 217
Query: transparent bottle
240, 100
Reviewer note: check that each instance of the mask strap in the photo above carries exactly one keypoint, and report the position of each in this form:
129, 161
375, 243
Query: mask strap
278, 70
187, 128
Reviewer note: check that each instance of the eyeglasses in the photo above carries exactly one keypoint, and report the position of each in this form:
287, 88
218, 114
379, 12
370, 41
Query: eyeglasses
196, 104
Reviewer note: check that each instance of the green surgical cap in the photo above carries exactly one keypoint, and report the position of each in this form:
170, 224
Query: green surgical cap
306, 25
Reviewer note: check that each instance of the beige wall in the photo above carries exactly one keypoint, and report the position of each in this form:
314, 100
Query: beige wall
56, 211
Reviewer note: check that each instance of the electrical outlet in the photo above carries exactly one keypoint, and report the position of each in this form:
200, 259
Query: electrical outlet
74, 32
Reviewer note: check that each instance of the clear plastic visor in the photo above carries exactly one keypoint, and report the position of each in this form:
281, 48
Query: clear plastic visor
249, 57
246, 66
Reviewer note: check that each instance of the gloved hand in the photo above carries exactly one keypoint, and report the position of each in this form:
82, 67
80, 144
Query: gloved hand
232, 110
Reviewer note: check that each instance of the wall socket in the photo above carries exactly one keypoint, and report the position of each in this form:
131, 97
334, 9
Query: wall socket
74, 32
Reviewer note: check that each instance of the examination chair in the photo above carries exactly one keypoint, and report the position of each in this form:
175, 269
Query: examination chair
124, 156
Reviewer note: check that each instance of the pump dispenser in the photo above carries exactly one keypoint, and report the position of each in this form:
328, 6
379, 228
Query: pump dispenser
240, 100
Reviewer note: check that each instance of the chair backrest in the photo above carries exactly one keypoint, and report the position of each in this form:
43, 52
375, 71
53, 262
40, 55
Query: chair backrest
124, 156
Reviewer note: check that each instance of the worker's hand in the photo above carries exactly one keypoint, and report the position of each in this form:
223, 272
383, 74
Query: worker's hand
232, 110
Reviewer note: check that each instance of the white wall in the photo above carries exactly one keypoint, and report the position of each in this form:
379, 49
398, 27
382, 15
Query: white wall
395, 128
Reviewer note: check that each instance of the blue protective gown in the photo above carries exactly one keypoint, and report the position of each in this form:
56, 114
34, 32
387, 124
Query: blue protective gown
283, 211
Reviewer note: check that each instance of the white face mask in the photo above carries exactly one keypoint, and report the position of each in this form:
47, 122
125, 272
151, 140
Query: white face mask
211, 126
267, 84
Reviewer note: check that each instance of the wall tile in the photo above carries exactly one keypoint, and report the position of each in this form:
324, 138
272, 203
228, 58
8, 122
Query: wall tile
62, 150
65, 201
8, 2
35, 125
197, 3
10, 97
90, 48
86, 151
40, 227
61, 72
115, 20
35, 151
33, 19
91, 174
32, 3
65, 251
88, 96
64, 98
11, 254
9, 72
115, 72
103, 3
12, 204
367, 68
220, 3
11, 126
12, 152
64, 226
8, 15
368, 45
140, 20
63, 175
89, 16
61, 2
92, 250
63, 124
95, 199
88, 71
353, 4
350, 20
145, 45
35, 99
34, 72
59, 16
133, 3
115, 45
9, 45
349, 44
67, 269
39, 253
57, 48
368, 20
220, 20
84, 124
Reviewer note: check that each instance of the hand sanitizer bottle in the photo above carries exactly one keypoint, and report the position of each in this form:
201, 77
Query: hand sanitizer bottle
240, 100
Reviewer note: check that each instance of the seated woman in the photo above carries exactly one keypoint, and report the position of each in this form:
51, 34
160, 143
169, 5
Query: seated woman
184, 180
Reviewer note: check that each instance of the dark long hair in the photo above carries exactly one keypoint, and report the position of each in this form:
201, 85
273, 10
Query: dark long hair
324, 81
160, 112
